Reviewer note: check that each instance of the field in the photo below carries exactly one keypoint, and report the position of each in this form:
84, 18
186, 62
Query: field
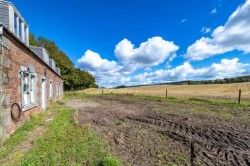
127, 129
157, 131
211, 91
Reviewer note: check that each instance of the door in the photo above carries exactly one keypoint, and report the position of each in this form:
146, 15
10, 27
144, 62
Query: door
26, 91
43, 97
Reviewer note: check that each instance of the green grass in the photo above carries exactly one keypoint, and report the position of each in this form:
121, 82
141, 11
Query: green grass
66, 143
121, 122
76, 94
20, 134
223, 102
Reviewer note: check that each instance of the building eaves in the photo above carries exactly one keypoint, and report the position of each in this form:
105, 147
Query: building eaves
18, 13
23, 44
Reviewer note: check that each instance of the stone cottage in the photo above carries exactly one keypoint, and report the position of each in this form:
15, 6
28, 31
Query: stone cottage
29, 79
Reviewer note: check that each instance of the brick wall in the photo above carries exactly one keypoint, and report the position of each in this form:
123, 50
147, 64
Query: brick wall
15, 55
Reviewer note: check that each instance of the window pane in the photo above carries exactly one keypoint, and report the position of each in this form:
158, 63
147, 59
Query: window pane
25, 90
20, 29
32, 89
25, 34
15, 24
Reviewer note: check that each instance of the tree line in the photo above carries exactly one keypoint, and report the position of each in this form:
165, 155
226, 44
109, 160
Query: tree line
222, 81
190, 82
74, 78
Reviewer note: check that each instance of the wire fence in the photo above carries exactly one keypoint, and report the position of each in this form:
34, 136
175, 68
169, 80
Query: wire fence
234, 95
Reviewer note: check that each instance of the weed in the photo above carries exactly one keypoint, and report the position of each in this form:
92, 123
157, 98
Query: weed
109, 161
121, 122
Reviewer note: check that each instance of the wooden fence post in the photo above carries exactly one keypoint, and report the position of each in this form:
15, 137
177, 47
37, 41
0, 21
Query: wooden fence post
166, 93
239, 99
102, 91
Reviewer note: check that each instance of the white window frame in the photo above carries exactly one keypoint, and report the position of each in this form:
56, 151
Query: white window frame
20, 29
33, 89
29, 93
16, 24
25, 34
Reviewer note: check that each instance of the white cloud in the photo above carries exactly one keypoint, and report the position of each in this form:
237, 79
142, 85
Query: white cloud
92, 61
184, 20
205, 30
102, 69
111, 74
150, 53
226, 68
234, 35
214, 11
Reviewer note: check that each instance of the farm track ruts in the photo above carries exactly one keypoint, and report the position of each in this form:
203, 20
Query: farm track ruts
150, 132
208, 146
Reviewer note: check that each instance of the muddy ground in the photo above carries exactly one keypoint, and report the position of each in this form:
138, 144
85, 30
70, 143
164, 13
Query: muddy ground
143, 131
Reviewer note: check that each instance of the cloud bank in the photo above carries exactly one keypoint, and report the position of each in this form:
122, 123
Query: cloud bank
150, 53
234, 35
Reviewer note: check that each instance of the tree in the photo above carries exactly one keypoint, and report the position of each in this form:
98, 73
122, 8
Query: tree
74, 78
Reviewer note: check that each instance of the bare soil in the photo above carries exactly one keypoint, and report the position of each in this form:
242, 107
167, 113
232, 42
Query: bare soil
143, 131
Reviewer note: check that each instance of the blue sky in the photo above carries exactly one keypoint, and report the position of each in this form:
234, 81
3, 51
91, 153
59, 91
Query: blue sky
147, 41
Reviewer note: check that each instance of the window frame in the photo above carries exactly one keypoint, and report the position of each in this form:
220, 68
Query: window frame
25, 35
29, 95
16, 24
20, 29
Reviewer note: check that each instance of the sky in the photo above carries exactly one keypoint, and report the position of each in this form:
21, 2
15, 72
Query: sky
136, 42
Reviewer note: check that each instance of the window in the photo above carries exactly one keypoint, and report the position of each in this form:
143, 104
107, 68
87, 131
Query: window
51, 89
20, 30
15, 24
28, 88
32, 89
25, 35
25, 85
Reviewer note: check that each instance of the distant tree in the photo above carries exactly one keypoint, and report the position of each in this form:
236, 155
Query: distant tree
32, 40
120, 86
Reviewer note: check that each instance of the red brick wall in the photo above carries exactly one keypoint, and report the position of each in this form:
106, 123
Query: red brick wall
15, 56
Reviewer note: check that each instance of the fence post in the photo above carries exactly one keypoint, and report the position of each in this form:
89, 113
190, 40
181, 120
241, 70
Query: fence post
239, 99
102, 91
166, 93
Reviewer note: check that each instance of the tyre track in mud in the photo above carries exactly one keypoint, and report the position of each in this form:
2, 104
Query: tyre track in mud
148, 132
208, 145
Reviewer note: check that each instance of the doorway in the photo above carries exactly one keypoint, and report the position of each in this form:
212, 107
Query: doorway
43, 95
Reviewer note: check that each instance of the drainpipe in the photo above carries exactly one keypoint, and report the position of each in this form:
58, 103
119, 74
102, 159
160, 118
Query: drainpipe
2, 128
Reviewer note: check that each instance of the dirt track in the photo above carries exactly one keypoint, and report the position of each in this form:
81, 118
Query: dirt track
150, 132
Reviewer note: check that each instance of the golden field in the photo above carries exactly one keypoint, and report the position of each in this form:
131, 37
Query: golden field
209, 91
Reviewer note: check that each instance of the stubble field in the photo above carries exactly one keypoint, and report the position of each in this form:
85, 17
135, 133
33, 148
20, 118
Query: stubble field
211, 91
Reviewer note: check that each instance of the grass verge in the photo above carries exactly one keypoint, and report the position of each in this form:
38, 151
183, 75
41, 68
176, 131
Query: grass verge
223, 102
20, 134
66, 143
